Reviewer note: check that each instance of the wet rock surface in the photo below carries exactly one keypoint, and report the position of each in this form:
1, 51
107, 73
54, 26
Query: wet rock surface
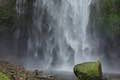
15, 72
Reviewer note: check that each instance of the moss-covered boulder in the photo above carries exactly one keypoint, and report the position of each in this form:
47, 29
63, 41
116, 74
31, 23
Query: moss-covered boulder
88, 71
4, 76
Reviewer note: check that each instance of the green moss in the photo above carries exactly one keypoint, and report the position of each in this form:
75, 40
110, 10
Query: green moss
109, 19
88, 71
7, 15
4, 76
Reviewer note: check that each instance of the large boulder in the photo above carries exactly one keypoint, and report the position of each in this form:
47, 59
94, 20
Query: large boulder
88, 71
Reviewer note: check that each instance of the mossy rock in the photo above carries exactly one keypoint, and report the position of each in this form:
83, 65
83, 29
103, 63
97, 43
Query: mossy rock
88, 71
4, 76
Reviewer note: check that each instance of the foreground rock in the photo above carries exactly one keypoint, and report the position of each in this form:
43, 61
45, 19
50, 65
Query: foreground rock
4, 76
88, 71
14, 72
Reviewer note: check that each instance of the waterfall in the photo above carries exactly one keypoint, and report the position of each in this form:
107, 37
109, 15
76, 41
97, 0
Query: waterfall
58, 37
20, 4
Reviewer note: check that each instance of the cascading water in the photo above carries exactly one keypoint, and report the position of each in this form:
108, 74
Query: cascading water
20, 6
58, 36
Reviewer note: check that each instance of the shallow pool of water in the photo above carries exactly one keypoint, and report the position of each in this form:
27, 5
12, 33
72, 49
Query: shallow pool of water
64, 75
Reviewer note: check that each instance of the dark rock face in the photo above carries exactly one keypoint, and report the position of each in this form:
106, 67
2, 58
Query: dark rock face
7, 27
3, 2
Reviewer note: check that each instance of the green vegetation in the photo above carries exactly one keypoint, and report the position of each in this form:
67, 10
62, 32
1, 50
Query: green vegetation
4, 76
88, 71
105, 25
110, 16
7, 14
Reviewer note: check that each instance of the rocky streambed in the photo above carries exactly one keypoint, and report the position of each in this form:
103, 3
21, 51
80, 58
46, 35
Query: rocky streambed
10, 71
16, 72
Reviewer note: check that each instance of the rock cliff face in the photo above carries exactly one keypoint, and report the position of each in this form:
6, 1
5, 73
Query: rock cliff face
7, 28
3, 2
